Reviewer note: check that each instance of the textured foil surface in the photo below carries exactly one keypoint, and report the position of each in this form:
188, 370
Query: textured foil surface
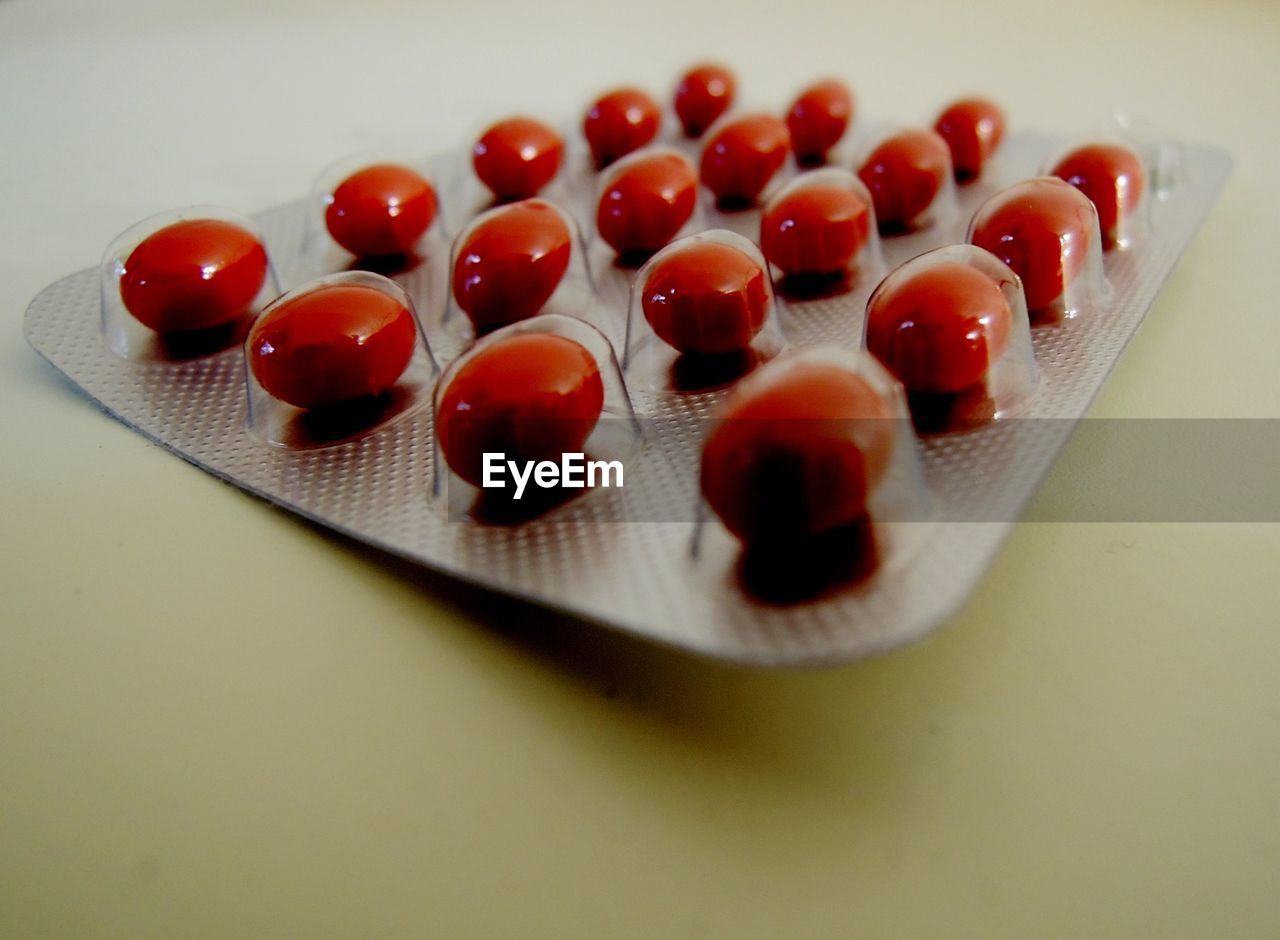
642, 577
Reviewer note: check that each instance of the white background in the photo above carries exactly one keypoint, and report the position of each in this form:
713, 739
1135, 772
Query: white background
215, 720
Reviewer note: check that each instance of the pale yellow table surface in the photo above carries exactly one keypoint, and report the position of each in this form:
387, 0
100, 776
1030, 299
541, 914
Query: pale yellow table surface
217, 721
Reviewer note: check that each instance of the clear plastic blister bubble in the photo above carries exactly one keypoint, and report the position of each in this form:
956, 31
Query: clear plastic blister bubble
1047, 231
334, 360
819, 234
912, 183
703, 94
743, 156
1114, 177
811, 480
951, 325
702, 315
1163, 155
620, 121
643, 202
184, 284
532, 416
819, 119
511, 263
375, 212
513, 157
973, 129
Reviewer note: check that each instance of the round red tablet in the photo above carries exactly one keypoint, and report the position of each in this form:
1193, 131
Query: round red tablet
531, 397
193, 275
973, 129
331, 344
797, 451
905, 174
620, 122
517, 157
816, 229
743, 156
706, 298
381, 210
1113, 178
510, 263
818, 119
646, 202
704, 93
939, 328
1041, 228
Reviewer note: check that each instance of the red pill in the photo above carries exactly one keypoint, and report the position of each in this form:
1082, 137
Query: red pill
510, 263
193, 275
381, 210
973, 129
517, 157
814, 230
647, 202
1041, 229
331, 344
939, 328
620, 122
706, 298
797, 451
532, 397
743, 156
704, 93
1114, 180
905, 174
818, 119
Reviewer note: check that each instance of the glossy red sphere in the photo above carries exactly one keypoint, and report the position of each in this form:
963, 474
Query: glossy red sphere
1042, 229
510, 263
532, 397
620, 122
818, 119
1113, 178
743, 156
704, 93
381, 210
706, 298
973, 128
816, 229
517, 157
647, 202
193, 275
939, 328
905, 174
331, 344
797, 450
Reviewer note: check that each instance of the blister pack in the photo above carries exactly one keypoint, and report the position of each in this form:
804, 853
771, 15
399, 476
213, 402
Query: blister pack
772, 389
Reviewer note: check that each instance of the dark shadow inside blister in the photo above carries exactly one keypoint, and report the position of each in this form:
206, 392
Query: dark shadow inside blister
1054, 314
896, 229
196, 344
331, 424
499, 507
387, 265
942, 412
695, 372
811, 161
631, 260
815, 286
800, 569
735, 204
